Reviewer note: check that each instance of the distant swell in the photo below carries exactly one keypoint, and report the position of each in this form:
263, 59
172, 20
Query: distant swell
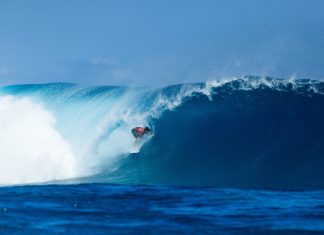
240, 132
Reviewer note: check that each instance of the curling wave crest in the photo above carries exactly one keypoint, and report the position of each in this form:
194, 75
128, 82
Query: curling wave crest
237, 132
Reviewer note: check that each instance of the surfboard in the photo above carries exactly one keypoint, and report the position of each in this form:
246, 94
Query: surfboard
134, 151
135, 148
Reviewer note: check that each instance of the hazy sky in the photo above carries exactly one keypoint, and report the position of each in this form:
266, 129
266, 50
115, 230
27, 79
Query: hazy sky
159, 42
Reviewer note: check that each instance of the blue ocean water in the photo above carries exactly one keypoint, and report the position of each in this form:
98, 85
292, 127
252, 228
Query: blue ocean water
124, 209
237, 156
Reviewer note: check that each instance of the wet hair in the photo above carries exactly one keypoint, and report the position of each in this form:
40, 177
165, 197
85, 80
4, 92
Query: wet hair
147, 130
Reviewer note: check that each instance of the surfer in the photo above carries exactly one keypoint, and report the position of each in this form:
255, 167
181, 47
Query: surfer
139, 132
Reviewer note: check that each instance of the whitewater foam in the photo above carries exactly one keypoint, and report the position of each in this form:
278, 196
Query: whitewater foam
31, 149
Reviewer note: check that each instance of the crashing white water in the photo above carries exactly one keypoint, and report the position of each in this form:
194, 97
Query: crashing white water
31, 148
35, 146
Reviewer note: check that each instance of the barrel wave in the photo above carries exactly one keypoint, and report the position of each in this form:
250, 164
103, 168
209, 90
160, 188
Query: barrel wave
241, 132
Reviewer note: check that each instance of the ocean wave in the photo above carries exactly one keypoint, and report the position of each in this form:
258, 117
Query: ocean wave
236, 132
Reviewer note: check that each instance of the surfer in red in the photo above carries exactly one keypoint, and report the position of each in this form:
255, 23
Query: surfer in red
139, 132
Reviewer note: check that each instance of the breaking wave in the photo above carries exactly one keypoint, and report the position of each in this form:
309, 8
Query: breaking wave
239, 132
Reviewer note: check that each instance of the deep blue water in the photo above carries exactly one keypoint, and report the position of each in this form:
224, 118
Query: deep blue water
121, 209
243, 156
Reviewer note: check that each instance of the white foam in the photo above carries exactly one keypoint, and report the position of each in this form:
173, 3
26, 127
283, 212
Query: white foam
31, 150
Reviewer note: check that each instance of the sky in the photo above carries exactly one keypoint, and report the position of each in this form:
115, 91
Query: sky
151, 42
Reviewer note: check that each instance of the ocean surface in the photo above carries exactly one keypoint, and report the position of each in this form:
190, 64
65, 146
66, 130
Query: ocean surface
124, 209
237, 156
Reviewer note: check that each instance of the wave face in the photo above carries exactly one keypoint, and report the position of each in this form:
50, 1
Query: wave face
240, 132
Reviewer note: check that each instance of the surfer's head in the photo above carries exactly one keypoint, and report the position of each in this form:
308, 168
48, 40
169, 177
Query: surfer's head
147, 130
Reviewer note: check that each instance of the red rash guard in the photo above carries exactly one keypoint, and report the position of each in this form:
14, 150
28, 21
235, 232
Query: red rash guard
139, 131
